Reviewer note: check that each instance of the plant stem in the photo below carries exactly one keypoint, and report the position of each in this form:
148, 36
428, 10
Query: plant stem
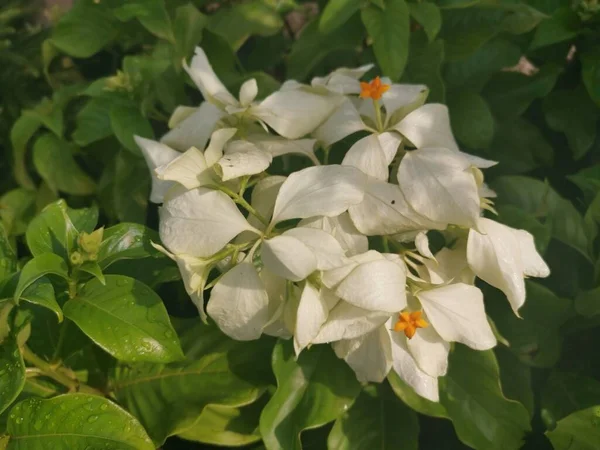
242, 202
61, 340
58, 374
378, 115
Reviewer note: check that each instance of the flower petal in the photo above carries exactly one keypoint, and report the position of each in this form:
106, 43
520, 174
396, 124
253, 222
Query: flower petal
156, 155
437, 184
188, 169
248, 92
195, 129
346, 321
422, 244
533, 264
370, 356
495, 258
242, 158
341, 228
265, 193
428, 126
368, 156
389, 144
343, 122
319, 191
325, 247
207, 81
200, 222
456, 312
312, 313
430, 351
218, 139
288, 257
296, 112
277, 146
403, 99
376, 286
239, 303
343, 80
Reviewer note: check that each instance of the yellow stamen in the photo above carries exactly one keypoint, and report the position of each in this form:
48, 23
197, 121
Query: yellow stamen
409, 322
374, 89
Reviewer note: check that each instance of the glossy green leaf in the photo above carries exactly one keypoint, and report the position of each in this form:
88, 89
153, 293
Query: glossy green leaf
218, 371
316, 374
472, 120
539, 199
188, 26
17, 208
20, 134
565, 393
579, 431
482, 416
92, 268
48, 231
36, 268
226, 426
41, 293
126, 318
74, 422
515, 378
8, 257
127, 241
573, 113
54, 161
535, 337
127, 122
414, 400
12, 372
376, 420
562, 26
85, 29
429, 16
150, 271
389, 29
587, 303
84, 219
152, 14
336, 13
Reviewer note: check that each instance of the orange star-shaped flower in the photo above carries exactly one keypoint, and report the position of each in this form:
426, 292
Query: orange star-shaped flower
374, 89
409, 322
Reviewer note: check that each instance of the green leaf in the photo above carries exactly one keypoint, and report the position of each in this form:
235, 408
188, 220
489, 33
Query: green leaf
20, 134
218, 371
312, 390
188, 26
41, 293
562, 26
414, 400
429, 16
564, 393
236, 23
93, 122
472, 120
313, 46
389, 29
457, 4
590, 61
48, 231
466, 30
482, 416
424, 66
126, 318
376, 420
85, 29
515, 217
573, 113
131, 188
127, 121
93, 269
579, 431
17, 208
84, 219
535, 337
8, 257
12, 372
588, 180
515, 378
53, 159
44, 264
510, 93
152, 14
519, 146
226, 426
336, 13
539, 199
127, 241
49, 114
74, 422
587, 303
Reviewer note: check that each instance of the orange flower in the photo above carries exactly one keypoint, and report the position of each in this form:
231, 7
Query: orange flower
374, 89
409, 322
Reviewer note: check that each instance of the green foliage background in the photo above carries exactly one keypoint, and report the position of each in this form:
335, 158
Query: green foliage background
72, 95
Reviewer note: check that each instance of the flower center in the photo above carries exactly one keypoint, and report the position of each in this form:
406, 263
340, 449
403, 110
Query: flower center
409, 322
373, 89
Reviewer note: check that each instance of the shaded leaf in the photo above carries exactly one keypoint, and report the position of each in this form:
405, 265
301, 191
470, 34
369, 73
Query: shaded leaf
472, 120
127, 241
127, 121
36, 268
414, 400
580, 431
336, 13
12, 372
429, 16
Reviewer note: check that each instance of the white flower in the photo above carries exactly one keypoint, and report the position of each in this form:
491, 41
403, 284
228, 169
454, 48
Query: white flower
340, 227
503, 257
343, 80
192, 127
156, 155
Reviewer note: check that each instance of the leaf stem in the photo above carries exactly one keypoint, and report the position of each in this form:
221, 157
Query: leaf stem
378, 115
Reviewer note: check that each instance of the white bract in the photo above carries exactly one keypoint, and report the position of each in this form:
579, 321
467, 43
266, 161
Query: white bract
345, 254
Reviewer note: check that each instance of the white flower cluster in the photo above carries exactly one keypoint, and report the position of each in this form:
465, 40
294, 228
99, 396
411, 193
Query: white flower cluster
293, 260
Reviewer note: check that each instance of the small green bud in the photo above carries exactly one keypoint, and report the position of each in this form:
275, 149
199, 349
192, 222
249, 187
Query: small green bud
76, 258
90, 243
